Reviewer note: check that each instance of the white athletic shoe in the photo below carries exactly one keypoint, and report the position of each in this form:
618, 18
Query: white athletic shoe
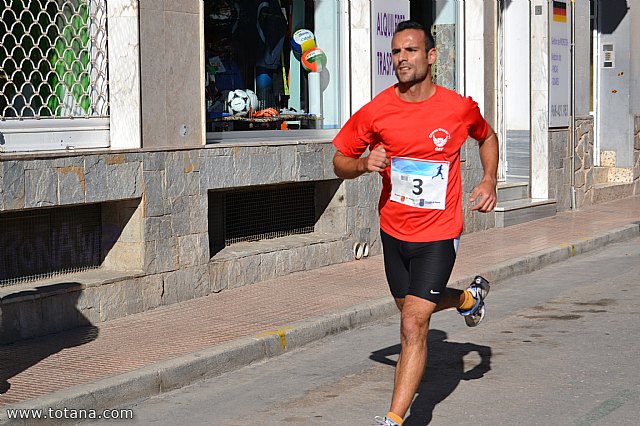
479, 289
384, 421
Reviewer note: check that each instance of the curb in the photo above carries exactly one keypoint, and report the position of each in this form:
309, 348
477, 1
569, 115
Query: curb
211, 362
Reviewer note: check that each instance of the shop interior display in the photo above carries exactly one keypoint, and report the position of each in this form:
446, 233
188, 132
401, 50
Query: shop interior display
252, 47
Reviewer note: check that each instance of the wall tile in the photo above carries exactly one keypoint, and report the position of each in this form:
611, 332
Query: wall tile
153, 60
187, 6
183, 73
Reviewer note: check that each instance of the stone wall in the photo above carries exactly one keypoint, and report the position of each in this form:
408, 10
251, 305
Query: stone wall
32, 182
155, 225
559, 163
444, 69
583, 167
587, 175
155, 203
472, 173
561, 167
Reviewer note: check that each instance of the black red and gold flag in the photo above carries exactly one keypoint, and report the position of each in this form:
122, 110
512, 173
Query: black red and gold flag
559, 11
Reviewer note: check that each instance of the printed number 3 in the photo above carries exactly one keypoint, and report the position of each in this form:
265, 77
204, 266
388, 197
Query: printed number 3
417, 186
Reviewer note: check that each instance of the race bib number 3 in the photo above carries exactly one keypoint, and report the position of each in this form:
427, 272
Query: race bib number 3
419, 183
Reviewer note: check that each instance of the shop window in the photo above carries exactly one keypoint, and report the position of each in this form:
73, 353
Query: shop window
53, 71
53, 61
62, 79
271, 65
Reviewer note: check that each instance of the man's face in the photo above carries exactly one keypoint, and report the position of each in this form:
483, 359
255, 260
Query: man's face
411, 60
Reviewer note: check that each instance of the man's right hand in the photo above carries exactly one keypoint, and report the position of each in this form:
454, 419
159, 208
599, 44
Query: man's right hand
377, 160
350, 168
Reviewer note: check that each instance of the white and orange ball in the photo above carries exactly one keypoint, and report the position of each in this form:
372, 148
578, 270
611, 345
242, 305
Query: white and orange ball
314, 60
302, 41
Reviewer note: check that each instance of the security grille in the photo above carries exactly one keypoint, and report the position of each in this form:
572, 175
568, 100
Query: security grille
53, 59
260, 213
43, 243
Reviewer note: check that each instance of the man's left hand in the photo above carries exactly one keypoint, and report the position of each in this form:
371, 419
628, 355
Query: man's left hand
483, 197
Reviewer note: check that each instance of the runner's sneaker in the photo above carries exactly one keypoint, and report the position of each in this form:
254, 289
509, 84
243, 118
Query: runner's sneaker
479, 289
384, 421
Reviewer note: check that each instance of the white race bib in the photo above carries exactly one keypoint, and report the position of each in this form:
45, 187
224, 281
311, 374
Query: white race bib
419, 183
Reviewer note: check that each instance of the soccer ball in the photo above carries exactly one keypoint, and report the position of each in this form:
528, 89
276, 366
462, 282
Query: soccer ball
241, 101
302, 41
253, 99
314, 60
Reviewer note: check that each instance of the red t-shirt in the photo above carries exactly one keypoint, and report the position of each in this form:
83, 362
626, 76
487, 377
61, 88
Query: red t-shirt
432, 130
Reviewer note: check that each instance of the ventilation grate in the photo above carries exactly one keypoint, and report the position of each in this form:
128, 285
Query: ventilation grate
260, 213
44, 243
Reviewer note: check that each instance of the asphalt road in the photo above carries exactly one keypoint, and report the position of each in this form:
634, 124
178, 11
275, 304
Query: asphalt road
558, 347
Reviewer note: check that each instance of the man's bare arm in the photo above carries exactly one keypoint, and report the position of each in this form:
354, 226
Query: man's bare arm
350, 168
484, 194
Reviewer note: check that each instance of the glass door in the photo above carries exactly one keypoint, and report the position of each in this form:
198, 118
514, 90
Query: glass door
515, 86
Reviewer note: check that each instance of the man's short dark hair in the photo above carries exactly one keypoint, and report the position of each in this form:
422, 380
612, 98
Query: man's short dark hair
413, 25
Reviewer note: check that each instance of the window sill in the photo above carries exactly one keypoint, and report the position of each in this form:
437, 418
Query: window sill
252, 248
67, 283
271, 137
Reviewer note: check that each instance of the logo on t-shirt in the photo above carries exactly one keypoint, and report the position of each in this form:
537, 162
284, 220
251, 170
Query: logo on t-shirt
440, 137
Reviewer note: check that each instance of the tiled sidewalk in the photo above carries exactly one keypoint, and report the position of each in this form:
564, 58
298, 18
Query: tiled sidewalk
46, 365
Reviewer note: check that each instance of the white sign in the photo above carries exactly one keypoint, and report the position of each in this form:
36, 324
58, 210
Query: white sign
559, 62
419, 183
385, 16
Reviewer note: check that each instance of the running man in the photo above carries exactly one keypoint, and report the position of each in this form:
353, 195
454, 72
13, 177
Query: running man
410, 129
439, 173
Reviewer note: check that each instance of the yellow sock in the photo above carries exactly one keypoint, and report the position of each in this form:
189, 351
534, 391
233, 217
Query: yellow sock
469, 301
393, 416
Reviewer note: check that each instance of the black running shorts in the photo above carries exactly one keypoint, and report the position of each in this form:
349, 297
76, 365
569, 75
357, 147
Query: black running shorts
418, 269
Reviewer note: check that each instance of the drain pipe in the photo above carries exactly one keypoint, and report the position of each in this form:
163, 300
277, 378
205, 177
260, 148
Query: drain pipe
572, 111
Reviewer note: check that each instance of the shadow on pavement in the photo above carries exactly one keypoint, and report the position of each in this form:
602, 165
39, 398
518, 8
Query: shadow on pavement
445, 369
19, 356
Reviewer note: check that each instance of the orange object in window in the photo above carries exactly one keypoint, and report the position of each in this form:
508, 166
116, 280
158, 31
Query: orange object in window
267, 112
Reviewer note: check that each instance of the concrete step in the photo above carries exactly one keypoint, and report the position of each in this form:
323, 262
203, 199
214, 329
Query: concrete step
513, 212
522, 135
509, 191
603, 192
